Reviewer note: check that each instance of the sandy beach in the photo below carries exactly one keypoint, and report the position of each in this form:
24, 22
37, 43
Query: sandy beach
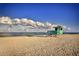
63, 45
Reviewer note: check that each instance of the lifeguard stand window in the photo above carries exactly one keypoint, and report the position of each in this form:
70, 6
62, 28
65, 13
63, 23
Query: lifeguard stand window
56, 28
61, 28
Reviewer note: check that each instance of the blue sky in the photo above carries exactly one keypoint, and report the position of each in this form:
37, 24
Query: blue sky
64, 14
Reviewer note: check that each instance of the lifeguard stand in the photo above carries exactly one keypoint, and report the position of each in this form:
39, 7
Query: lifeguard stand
58, 30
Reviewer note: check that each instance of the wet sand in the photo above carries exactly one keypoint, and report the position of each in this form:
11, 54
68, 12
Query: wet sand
62, 45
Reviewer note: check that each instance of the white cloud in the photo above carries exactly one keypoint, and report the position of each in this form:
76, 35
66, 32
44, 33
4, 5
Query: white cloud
5, 20
69, 28
30, 22
16, 21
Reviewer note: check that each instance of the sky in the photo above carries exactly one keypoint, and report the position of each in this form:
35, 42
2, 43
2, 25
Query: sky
58, 13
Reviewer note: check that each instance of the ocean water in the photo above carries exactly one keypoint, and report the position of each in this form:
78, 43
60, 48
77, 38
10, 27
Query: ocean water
71, 32
29, 33
23, 33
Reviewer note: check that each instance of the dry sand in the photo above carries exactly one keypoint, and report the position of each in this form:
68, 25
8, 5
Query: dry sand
40, 46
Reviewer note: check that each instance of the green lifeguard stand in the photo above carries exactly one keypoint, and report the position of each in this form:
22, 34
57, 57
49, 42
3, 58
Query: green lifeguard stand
57, 31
